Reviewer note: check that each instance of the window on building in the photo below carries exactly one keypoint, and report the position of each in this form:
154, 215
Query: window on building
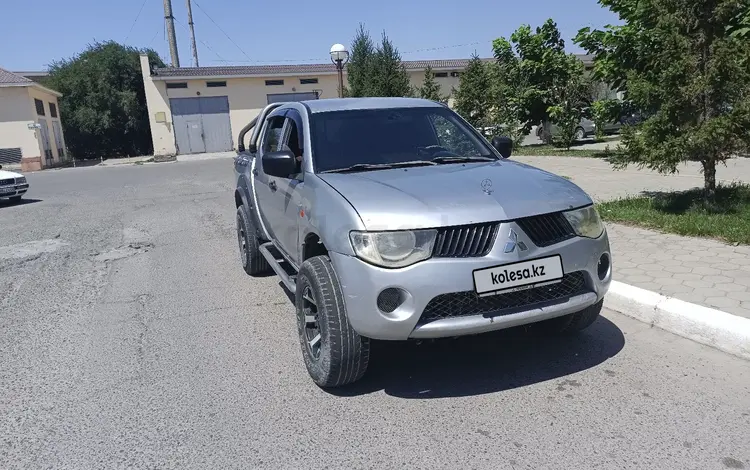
274, 82
177, 85
308, 81
39, 107
440, 74
216, 84
53, 110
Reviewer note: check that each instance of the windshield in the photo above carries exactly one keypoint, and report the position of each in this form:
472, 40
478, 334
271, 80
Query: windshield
391, 136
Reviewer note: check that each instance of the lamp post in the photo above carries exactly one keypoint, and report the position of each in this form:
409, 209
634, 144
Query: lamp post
340, 56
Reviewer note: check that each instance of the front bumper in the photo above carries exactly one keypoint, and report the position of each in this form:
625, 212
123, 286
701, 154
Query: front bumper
361, 283
13, 190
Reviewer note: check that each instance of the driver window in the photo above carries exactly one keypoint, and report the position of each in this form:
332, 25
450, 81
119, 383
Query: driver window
292, 142
453, 138
272, 134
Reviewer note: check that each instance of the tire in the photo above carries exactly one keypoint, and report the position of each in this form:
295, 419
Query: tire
580, 133
253, 261
575, 322
15, 199
340, 355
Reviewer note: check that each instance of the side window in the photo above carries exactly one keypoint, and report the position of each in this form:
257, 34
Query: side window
272, 134
293, 138
454, 138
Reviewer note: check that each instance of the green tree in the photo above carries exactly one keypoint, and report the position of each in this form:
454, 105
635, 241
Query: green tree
473, 98
103, 106
604, 111
430, 89
535, 68
570, 96
376, 70
685, 66
389, 76
361, 64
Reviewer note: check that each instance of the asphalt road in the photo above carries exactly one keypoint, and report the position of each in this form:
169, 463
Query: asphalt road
130, 337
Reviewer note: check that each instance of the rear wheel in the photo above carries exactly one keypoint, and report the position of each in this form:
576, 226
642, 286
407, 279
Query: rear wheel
253, 261
333, 352
574, 322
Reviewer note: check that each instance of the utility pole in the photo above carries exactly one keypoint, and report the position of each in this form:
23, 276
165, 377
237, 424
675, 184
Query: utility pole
170, 33
192, 32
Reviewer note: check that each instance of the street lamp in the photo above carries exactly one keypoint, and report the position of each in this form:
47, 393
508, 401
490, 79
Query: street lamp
340, 56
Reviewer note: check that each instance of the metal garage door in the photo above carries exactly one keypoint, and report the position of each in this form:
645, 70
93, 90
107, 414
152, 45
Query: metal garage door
201, 124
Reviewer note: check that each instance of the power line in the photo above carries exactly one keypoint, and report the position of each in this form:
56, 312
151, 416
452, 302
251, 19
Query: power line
135, 21
322, 60
221, 59
446, 47
152, 39
220, 29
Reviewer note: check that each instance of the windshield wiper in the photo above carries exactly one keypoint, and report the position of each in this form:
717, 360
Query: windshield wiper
460, 159
379, 166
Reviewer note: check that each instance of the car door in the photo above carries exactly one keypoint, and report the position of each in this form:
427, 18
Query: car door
266, 186
289, 188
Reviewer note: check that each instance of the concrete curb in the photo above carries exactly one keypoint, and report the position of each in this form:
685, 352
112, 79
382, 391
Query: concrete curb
720, 330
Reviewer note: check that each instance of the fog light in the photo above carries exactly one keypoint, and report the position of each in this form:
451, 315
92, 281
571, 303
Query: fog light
602, 269
390, 299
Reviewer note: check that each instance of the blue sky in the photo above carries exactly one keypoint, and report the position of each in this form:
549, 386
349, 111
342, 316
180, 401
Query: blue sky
294, 31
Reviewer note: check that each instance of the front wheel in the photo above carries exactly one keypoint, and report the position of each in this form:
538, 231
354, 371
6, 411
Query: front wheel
580, 133
333, 352
15, 199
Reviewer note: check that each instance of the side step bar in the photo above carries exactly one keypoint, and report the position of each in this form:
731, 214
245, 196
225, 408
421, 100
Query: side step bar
279, 265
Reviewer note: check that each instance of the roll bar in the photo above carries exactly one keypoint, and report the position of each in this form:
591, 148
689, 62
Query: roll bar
250, 125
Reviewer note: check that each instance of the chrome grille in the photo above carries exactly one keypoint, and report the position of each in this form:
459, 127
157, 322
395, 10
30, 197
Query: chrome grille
547, 229
7, 181
465, 241
460, 304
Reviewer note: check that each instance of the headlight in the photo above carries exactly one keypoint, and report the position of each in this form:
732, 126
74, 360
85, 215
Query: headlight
393, 249
585, 222
21, 180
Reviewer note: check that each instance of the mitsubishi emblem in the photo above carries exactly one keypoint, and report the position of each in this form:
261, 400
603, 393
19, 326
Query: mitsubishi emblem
512, 242
487, 186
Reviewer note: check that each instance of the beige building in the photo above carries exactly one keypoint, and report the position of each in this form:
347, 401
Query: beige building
202, 109
31, 135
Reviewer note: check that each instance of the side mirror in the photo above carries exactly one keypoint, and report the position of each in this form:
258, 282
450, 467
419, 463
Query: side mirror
281, 164
504, 145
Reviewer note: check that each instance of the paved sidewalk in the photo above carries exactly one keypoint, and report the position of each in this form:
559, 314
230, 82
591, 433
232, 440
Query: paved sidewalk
702, 271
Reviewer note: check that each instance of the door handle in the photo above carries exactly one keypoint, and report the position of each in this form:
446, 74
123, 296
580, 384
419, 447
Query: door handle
272, 185
255, 172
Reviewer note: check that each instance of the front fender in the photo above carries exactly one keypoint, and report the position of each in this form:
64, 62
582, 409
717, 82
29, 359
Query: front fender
329, 215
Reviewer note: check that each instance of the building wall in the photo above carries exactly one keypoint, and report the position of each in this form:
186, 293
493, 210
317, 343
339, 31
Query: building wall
416, 78
247, 97
46, 98
16, 113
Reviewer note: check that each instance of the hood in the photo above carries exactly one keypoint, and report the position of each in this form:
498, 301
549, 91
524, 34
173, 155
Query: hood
9, 174
455, 194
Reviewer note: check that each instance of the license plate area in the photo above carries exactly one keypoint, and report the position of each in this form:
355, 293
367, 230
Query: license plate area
517, 276
7, 190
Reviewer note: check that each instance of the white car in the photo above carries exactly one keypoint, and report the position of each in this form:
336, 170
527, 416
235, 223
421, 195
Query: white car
12, 185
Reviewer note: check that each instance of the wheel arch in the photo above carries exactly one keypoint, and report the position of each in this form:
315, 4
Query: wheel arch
313, 246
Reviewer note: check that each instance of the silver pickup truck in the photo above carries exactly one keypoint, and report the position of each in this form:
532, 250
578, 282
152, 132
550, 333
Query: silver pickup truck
394, 219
